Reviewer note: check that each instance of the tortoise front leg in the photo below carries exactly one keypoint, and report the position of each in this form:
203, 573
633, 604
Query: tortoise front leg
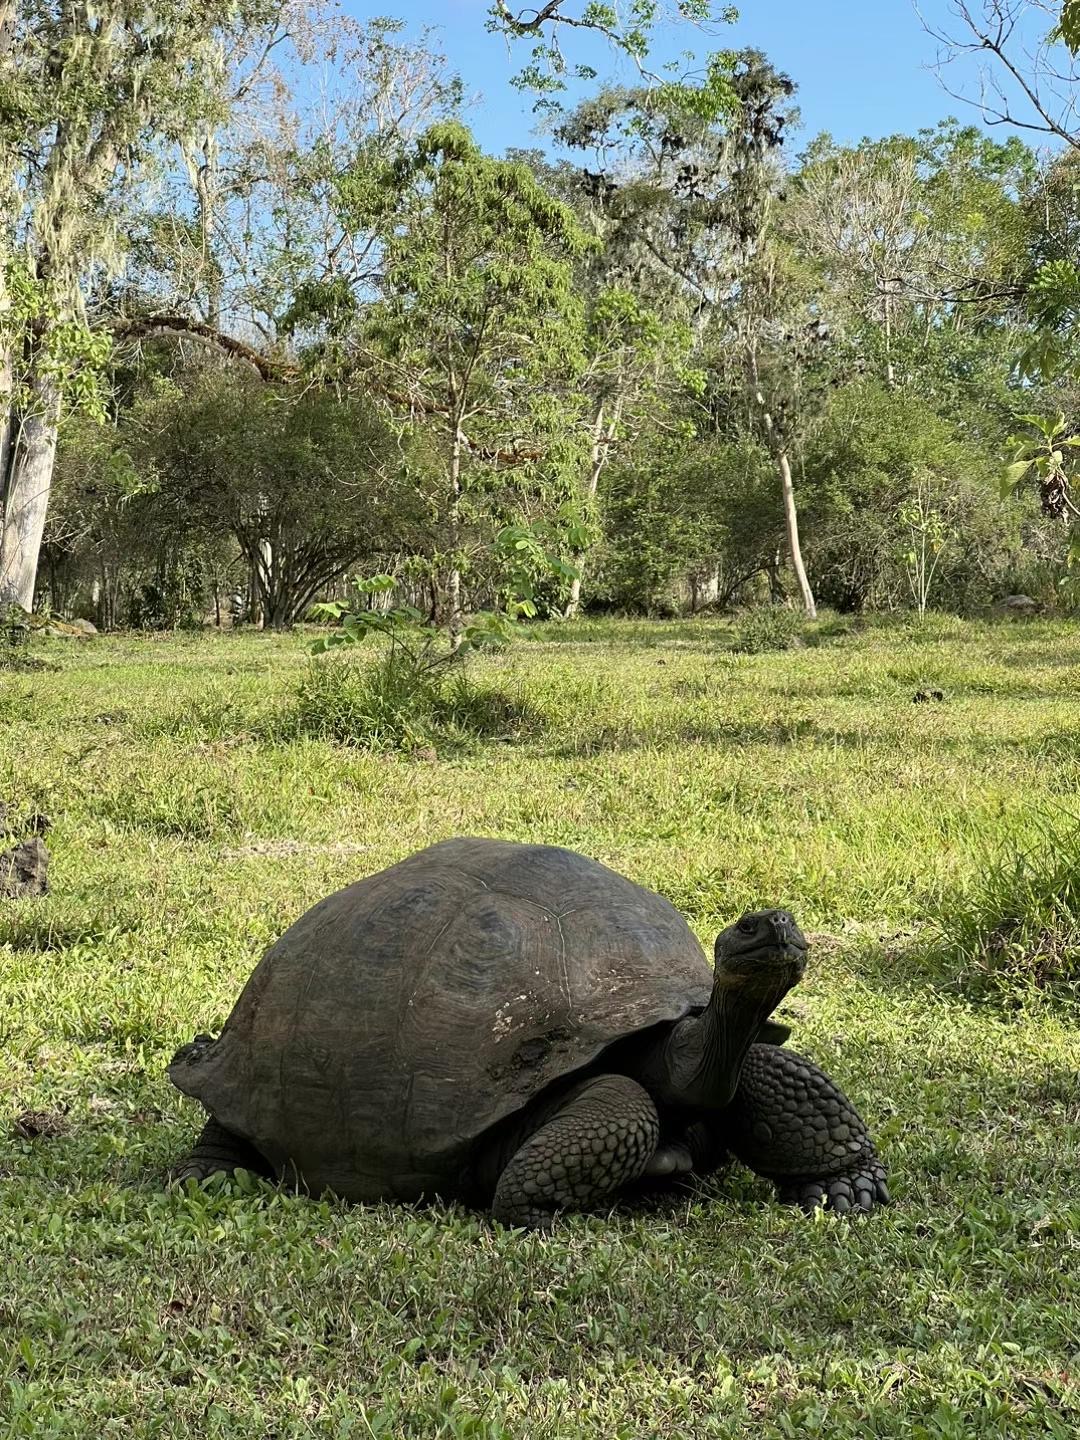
792, 1124
218, 1151
601, 1137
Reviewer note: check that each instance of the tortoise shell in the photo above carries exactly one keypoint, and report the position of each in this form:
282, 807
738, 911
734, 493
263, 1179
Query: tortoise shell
403, 1017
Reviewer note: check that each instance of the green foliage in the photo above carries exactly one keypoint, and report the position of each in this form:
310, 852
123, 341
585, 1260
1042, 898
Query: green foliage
482, 326
529, 556
1070, 24
415, 693
66, 350
1016, 926
703, 508
307, 482
401, 701
928, 535
1043, 457
1053, 298
628, 29
768, 627
878, 456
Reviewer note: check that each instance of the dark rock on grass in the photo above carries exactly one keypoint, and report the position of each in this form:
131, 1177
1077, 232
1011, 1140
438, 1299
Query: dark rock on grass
24, 870
1019, 605
37, 1125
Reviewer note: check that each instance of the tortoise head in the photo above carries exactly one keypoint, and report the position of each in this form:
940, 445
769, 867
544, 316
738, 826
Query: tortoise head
763, 954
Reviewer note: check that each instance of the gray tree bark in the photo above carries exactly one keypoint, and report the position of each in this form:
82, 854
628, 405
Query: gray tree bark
778, 447
27, 480
602, 436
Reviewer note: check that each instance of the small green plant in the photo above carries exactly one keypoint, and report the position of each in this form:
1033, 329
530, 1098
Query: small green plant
927, 538
768, 627
416, 694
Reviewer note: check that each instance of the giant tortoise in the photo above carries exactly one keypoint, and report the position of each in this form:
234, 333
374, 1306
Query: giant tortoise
519, 1028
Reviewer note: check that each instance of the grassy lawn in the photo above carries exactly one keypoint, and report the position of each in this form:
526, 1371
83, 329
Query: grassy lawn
189, 830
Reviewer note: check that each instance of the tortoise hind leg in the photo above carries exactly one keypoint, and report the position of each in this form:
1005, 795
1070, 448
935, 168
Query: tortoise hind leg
601, 1137
792, 1124
218, 1151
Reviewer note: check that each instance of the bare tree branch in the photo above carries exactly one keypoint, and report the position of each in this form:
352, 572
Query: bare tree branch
1030, 84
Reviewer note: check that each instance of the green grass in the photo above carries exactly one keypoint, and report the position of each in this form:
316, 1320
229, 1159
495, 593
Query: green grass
189, 829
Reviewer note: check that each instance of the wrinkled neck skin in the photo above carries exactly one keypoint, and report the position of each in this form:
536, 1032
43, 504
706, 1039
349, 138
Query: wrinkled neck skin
699, 1062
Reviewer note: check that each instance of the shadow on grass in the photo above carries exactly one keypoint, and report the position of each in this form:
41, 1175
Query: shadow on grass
799, 730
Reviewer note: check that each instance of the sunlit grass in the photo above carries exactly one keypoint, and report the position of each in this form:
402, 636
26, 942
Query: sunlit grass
190, 826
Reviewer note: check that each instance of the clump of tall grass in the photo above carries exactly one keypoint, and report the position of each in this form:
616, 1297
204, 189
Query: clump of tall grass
394, 703
768, 627
1016, 926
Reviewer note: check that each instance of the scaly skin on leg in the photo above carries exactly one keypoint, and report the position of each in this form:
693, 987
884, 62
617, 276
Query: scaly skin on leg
602, 1137
792, 1124
218, 1151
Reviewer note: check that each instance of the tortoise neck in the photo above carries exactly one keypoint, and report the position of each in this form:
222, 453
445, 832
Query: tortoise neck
705, 1053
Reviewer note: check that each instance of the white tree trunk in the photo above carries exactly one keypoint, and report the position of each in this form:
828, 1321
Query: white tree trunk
31, 453
601, 445
457, 618
6, 381
778, 447
886, 310
791, 523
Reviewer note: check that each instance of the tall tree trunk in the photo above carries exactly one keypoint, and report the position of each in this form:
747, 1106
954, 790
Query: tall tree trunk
602, 436
28, 479
791, 524
456, 618
7, 381
7, 202
778, 448
886, 314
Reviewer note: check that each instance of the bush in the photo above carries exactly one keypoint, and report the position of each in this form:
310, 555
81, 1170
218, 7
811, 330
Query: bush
393, 704
874, 452
1018, 926
16, 658
768, 627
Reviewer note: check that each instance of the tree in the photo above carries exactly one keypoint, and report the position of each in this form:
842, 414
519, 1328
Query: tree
317, 476
248, 238
912, 234
692, 177
879, 455
627, 27
89, 99
768, 328
478, 329
1025, 52
1035, 88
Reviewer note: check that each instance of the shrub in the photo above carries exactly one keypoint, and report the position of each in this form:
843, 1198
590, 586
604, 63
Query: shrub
392, 704
768, 627
16, 658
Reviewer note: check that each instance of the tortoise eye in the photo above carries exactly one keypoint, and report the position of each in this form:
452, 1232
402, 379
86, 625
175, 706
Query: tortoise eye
747, 925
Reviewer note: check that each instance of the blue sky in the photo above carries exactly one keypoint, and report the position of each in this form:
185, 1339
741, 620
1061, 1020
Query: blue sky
861, 65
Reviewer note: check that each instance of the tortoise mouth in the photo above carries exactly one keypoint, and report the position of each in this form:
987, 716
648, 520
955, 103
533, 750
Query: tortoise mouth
767, 963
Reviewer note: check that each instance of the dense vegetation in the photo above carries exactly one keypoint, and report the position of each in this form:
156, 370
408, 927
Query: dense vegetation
189, 829
669, 363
